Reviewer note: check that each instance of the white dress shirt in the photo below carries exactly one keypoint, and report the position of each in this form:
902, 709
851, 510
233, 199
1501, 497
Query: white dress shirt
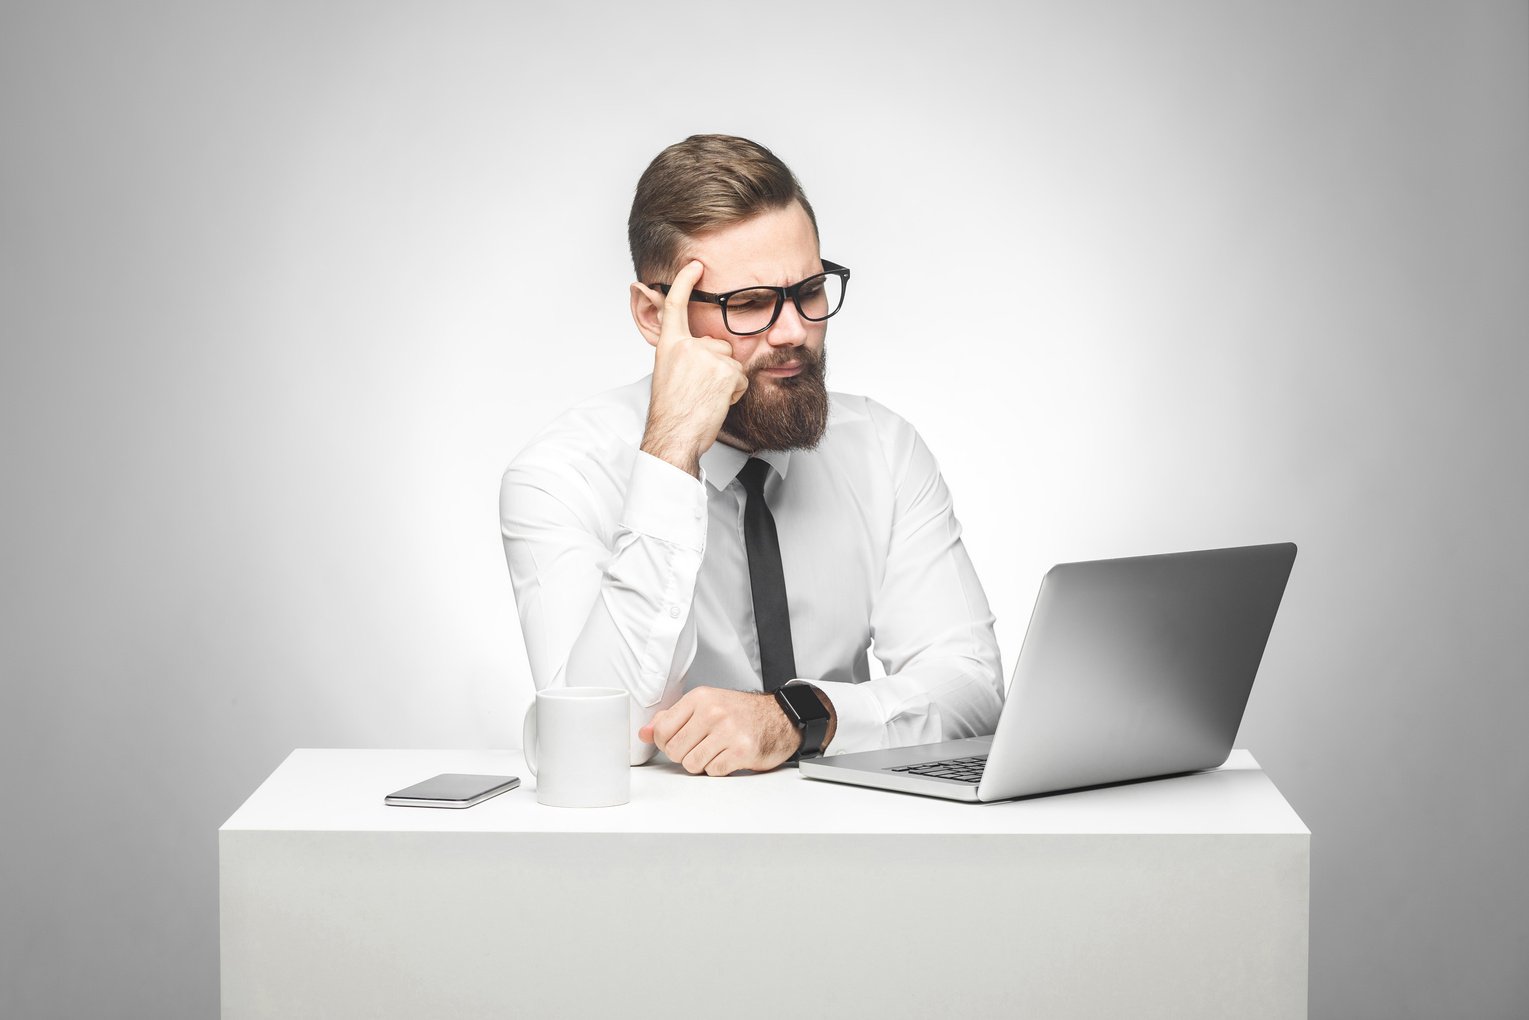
628, 572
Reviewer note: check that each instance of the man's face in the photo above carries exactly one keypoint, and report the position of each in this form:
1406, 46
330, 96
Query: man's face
786, 404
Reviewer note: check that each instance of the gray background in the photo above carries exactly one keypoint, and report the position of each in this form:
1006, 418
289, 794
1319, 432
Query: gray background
283, 287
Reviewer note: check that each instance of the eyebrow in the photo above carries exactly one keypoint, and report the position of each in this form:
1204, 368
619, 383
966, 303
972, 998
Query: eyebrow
788, 283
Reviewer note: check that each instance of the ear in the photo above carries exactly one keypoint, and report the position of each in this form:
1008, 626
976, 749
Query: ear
647, 312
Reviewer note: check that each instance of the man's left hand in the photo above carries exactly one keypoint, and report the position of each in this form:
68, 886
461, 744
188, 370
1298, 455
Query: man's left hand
719, 731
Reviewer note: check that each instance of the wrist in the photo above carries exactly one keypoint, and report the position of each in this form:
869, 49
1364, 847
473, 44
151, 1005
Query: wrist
833, 715
686, 458
810, 714
672, 446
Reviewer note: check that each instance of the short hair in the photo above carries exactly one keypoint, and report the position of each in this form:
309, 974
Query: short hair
700, 184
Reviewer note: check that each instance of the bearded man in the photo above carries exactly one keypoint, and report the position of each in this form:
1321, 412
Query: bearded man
728, 540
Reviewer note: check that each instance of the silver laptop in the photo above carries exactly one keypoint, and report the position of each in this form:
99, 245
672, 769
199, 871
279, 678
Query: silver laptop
1131, 669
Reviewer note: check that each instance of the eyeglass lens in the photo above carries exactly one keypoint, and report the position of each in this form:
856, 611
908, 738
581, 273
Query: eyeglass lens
817, 297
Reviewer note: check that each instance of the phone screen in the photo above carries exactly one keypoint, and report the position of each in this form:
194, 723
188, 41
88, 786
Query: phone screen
452, 789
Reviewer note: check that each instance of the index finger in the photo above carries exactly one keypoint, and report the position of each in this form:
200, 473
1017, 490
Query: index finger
676, 321
669, 722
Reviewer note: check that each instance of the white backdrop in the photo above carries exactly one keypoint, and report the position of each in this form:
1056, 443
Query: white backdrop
284, 287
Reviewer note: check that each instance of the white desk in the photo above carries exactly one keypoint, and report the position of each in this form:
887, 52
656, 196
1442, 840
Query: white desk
768, 896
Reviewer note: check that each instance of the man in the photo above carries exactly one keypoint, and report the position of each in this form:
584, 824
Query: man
648, 530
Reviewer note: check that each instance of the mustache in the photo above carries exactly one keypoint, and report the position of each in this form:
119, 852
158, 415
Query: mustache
812, 361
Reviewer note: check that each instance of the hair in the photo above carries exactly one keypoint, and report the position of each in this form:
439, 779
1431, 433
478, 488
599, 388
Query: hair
701, 184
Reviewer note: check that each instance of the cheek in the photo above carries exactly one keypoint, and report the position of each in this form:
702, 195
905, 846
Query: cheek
706, 320
745, 349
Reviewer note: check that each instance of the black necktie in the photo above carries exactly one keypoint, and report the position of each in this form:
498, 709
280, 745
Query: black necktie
767, 579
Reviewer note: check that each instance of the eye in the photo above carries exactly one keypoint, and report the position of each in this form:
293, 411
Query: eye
751, 301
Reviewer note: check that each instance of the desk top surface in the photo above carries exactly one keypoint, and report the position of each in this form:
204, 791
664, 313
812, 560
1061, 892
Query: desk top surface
341, 790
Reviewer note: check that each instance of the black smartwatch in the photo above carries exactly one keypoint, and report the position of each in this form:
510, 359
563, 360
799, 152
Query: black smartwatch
808, 714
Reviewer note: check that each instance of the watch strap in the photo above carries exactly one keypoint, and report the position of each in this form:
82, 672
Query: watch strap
812, 723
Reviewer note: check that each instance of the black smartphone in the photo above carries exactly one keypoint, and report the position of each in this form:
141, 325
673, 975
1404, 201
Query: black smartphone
452, 790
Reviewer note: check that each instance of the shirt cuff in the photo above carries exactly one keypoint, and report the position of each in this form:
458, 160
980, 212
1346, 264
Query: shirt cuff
665, 503
860, 723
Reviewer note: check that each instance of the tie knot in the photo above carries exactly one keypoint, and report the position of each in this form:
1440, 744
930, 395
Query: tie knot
753, 476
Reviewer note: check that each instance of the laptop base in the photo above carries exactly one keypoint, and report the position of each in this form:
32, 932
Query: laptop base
872, 768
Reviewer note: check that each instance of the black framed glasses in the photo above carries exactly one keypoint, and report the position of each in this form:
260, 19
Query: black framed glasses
750, 310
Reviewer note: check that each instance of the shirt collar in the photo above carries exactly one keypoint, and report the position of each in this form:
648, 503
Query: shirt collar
721, 463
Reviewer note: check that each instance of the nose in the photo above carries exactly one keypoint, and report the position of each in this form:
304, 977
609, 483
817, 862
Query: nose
790, 329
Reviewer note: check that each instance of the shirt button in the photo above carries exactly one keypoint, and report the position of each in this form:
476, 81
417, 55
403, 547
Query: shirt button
674, 612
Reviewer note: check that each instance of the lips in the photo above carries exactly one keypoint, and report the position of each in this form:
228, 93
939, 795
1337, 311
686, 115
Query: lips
790, 363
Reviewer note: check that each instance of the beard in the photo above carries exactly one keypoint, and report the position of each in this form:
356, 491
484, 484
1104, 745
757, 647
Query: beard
782, 414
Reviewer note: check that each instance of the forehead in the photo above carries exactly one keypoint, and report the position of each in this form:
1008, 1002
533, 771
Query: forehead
777, 247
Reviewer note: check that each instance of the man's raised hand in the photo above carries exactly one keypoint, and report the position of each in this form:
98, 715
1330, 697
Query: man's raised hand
695, 381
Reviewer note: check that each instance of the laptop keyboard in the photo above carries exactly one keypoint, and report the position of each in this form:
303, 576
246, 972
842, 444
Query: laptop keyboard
962, 770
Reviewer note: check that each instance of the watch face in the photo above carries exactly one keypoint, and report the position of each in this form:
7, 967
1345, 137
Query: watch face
804, 701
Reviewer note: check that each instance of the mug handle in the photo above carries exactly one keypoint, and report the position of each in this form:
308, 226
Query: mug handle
528, 736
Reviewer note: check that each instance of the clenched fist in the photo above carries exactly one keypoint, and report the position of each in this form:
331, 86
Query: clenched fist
718, 731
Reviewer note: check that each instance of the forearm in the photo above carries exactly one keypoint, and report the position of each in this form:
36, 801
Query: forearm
932, 699
638, 632
932, 627
608, 606
629, 642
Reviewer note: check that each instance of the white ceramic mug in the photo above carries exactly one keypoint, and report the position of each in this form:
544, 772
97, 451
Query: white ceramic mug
577, 744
